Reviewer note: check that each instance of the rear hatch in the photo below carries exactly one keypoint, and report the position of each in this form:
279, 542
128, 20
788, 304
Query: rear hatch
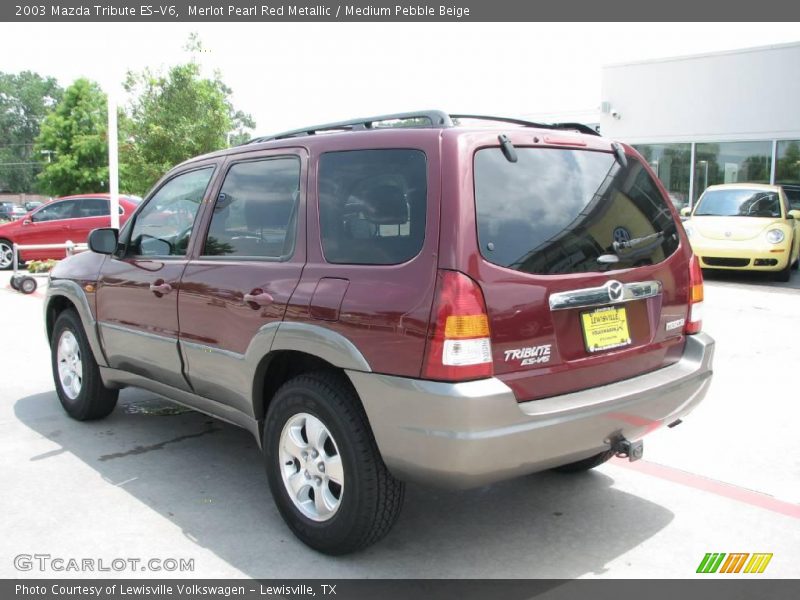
583, 266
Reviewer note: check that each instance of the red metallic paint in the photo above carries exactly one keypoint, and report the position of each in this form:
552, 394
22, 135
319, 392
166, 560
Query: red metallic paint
385, 310
28, 231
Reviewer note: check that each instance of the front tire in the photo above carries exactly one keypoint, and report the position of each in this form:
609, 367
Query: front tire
784, 274
325, 472
77, 377
6, 254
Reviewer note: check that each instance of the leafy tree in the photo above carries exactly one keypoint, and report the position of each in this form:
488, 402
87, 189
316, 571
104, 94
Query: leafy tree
172, 117
75, 135
25, 100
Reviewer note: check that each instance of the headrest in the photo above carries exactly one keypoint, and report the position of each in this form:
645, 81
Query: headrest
384, 205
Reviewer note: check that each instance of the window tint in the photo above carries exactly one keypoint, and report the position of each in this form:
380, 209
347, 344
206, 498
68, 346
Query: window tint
256, 210
739, 203
56, 211
372, 205
163, 227
95, 207
557, 211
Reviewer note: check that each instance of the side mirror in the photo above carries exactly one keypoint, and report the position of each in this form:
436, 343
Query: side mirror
103, 241
686, 211
794, 214
27, 221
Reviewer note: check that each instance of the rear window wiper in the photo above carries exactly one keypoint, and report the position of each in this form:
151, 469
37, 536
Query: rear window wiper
633, 243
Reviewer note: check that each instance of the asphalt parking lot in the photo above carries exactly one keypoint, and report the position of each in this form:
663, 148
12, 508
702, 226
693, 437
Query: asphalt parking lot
155, 481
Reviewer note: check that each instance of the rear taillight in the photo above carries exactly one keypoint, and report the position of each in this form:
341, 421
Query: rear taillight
695, 321
459, 346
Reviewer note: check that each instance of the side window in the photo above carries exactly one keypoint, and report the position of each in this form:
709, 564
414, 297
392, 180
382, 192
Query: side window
256, 211
56, 211
93, 207
372, 205
163, 227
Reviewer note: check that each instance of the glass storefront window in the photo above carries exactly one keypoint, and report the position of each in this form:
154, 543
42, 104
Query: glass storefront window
672, 164
731, 162
787, 170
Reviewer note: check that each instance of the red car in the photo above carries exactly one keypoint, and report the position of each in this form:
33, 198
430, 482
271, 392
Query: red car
68, 218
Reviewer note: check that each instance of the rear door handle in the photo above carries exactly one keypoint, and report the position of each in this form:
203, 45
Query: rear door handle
258, 298
160, 287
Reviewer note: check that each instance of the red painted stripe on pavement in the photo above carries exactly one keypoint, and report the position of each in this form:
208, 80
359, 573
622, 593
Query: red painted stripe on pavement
712, 486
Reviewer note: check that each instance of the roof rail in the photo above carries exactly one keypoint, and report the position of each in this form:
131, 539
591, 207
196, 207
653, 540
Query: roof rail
435, 119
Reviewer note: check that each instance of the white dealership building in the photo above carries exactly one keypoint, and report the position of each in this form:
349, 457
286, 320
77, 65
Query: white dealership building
714, 118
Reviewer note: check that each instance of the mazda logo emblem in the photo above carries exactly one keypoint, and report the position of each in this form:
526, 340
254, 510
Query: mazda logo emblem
615, 290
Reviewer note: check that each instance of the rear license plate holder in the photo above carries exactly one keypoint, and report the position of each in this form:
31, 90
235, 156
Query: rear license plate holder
605, 328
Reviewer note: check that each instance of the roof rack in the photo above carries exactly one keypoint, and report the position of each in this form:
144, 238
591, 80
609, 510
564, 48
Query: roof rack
434, 118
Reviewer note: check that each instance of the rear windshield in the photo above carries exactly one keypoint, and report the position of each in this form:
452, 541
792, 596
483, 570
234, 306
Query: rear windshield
560, 211
739, 203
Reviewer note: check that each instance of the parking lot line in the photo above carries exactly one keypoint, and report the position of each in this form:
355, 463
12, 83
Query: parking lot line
712, 486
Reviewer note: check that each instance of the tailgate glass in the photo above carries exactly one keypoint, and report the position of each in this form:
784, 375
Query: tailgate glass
558, 211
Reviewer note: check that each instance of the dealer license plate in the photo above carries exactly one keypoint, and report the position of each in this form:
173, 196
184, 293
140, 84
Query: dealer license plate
605, 328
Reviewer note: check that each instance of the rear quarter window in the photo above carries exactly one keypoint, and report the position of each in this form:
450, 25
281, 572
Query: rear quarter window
558, 211
372, 205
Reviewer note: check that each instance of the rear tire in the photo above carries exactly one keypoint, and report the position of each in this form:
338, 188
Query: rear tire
75, 372
587, 463
317, 419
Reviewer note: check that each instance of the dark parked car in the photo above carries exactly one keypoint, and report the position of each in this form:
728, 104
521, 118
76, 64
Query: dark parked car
7, 211
381, 304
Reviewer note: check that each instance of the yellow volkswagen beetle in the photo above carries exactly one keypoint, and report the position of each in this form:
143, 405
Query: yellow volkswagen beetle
745, 226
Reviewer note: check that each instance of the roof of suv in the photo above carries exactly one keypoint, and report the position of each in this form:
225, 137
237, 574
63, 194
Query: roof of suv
421, 123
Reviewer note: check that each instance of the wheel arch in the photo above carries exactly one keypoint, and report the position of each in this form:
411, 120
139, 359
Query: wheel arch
63, 294
299, 348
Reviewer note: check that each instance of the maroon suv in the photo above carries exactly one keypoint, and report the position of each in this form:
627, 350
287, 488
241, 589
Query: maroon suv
401, 298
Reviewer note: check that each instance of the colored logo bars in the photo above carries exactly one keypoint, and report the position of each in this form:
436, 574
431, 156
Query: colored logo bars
717, 562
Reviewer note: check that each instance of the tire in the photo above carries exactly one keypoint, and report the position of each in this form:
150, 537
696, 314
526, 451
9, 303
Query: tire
27, 285
587, 463
369, 497
6, 255
784, 274
87, 399
14, 282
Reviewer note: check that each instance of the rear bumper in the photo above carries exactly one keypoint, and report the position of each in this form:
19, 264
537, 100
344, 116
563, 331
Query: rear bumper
463, 435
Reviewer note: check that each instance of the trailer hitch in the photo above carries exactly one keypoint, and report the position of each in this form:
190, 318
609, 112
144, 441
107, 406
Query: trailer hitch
627, 449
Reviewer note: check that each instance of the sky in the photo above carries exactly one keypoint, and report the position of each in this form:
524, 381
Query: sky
289, 75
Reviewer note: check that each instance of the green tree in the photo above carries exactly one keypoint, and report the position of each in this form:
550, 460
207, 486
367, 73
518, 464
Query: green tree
25, 100
172, 117
75, 136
